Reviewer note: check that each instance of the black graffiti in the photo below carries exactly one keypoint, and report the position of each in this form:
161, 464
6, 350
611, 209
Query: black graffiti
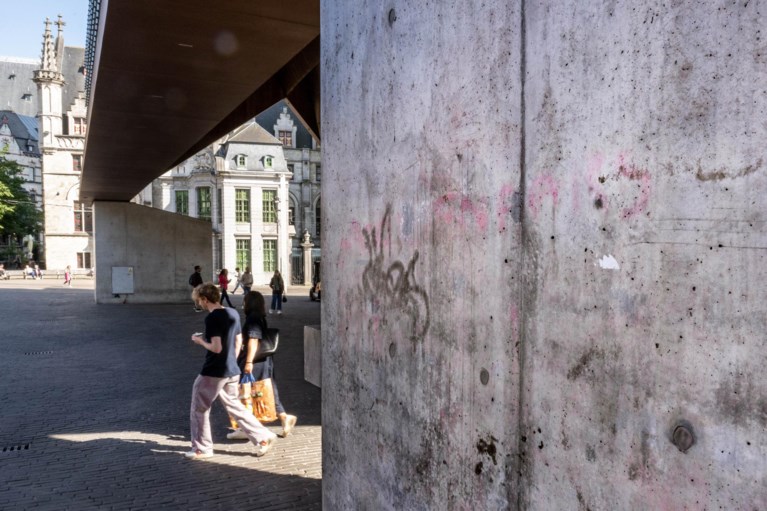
394, 288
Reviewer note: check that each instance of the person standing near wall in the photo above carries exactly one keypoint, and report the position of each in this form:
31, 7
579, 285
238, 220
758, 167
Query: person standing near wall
220, 377
195, 279
278, 287
246, 280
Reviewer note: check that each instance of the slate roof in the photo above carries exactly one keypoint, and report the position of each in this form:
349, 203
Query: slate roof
24, 130
254, 134
73, 68
268, 118
15, 82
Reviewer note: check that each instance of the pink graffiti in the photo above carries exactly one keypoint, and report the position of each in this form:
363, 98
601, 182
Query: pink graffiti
541, 187
642, 176
455, 208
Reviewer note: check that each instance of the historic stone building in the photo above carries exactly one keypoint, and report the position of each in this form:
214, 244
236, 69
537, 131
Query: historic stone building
304, 160
62, 118
240, 184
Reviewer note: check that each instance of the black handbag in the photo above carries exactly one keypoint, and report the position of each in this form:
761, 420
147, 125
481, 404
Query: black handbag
268, 345
284, 298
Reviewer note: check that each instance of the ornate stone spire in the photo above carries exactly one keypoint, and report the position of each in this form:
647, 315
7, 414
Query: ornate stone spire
48, 68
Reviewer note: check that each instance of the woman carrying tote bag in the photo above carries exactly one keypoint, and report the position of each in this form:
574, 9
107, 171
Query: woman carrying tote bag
252, 331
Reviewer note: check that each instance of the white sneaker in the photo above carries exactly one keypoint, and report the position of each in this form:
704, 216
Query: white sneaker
194, 454
270, 311
237, 434
279, 311
288, 425
263, 447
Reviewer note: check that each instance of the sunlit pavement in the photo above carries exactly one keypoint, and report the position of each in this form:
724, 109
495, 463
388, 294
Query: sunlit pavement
95, 408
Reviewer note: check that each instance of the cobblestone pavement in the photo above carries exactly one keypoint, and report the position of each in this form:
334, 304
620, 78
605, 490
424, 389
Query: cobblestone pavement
95, 409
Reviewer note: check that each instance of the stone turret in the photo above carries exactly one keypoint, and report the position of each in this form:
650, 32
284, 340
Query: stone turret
50, 82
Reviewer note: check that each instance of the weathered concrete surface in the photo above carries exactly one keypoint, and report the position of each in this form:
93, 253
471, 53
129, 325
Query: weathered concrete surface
163, 249
546, 249
313, 355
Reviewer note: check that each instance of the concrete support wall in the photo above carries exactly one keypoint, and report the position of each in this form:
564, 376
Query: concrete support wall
545, 250
162, 248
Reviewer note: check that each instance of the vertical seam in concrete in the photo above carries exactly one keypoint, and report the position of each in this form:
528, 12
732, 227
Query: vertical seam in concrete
524, 239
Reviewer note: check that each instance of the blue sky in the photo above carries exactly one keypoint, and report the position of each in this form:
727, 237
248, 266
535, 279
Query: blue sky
22, 29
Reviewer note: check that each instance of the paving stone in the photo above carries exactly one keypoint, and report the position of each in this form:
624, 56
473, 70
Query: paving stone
101, 395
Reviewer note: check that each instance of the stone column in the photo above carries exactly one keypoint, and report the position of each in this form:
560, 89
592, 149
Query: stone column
307, 246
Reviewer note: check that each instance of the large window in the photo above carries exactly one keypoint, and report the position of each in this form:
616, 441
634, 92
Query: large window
268, 206
219, 206
318, 173
242, 205
203, 202
286, 137
182, 202
292, 215
270, 255
83, 217
243, 253
317, 219
84, 260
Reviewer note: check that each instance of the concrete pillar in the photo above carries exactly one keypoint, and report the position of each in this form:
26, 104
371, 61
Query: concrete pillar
307, 246
160, 248
545, 258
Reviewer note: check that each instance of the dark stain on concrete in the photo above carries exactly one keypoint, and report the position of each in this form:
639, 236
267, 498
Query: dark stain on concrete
739, 401
722, 173
488, 448
583, 363
591, 455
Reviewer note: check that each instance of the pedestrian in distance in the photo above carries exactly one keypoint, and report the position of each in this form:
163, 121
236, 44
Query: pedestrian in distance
223, 283
220, 377
68, 276
246, 280
278, 287
236, 280
195, 279
252, 332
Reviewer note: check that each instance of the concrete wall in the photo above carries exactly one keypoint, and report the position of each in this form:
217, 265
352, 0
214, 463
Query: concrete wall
162, 248
546, 251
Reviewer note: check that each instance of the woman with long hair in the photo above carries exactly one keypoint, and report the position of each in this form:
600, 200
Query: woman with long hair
252, 331
223, 283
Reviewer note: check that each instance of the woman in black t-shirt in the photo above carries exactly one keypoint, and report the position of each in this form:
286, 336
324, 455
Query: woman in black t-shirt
252, 332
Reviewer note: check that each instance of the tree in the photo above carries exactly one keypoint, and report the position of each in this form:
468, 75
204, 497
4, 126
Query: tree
18, 214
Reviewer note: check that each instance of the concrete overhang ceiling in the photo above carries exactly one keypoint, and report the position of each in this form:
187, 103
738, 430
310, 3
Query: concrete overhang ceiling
172, 76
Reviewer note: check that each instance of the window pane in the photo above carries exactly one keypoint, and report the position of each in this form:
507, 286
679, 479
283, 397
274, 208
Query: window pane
318, 219
242, 205
286, 137
219, 207
267, 204
203, 203
182, 202
243, 253
270, 255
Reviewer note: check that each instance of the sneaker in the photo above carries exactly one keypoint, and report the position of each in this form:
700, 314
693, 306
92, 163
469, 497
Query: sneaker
271, 311
288, 425
237, 434
264, 446
195, 454
279, 312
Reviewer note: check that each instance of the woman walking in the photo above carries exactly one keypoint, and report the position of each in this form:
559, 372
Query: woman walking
219, 377
252, 332
278, 287
223, 283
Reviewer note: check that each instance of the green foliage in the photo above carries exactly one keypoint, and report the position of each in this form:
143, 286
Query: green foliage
18, 214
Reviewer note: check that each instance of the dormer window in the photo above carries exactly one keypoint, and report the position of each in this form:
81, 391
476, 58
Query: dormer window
26, 97
267, 162
241, 161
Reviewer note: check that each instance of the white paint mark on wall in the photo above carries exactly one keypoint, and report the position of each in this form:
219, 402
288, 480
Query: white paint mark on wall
608, 262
